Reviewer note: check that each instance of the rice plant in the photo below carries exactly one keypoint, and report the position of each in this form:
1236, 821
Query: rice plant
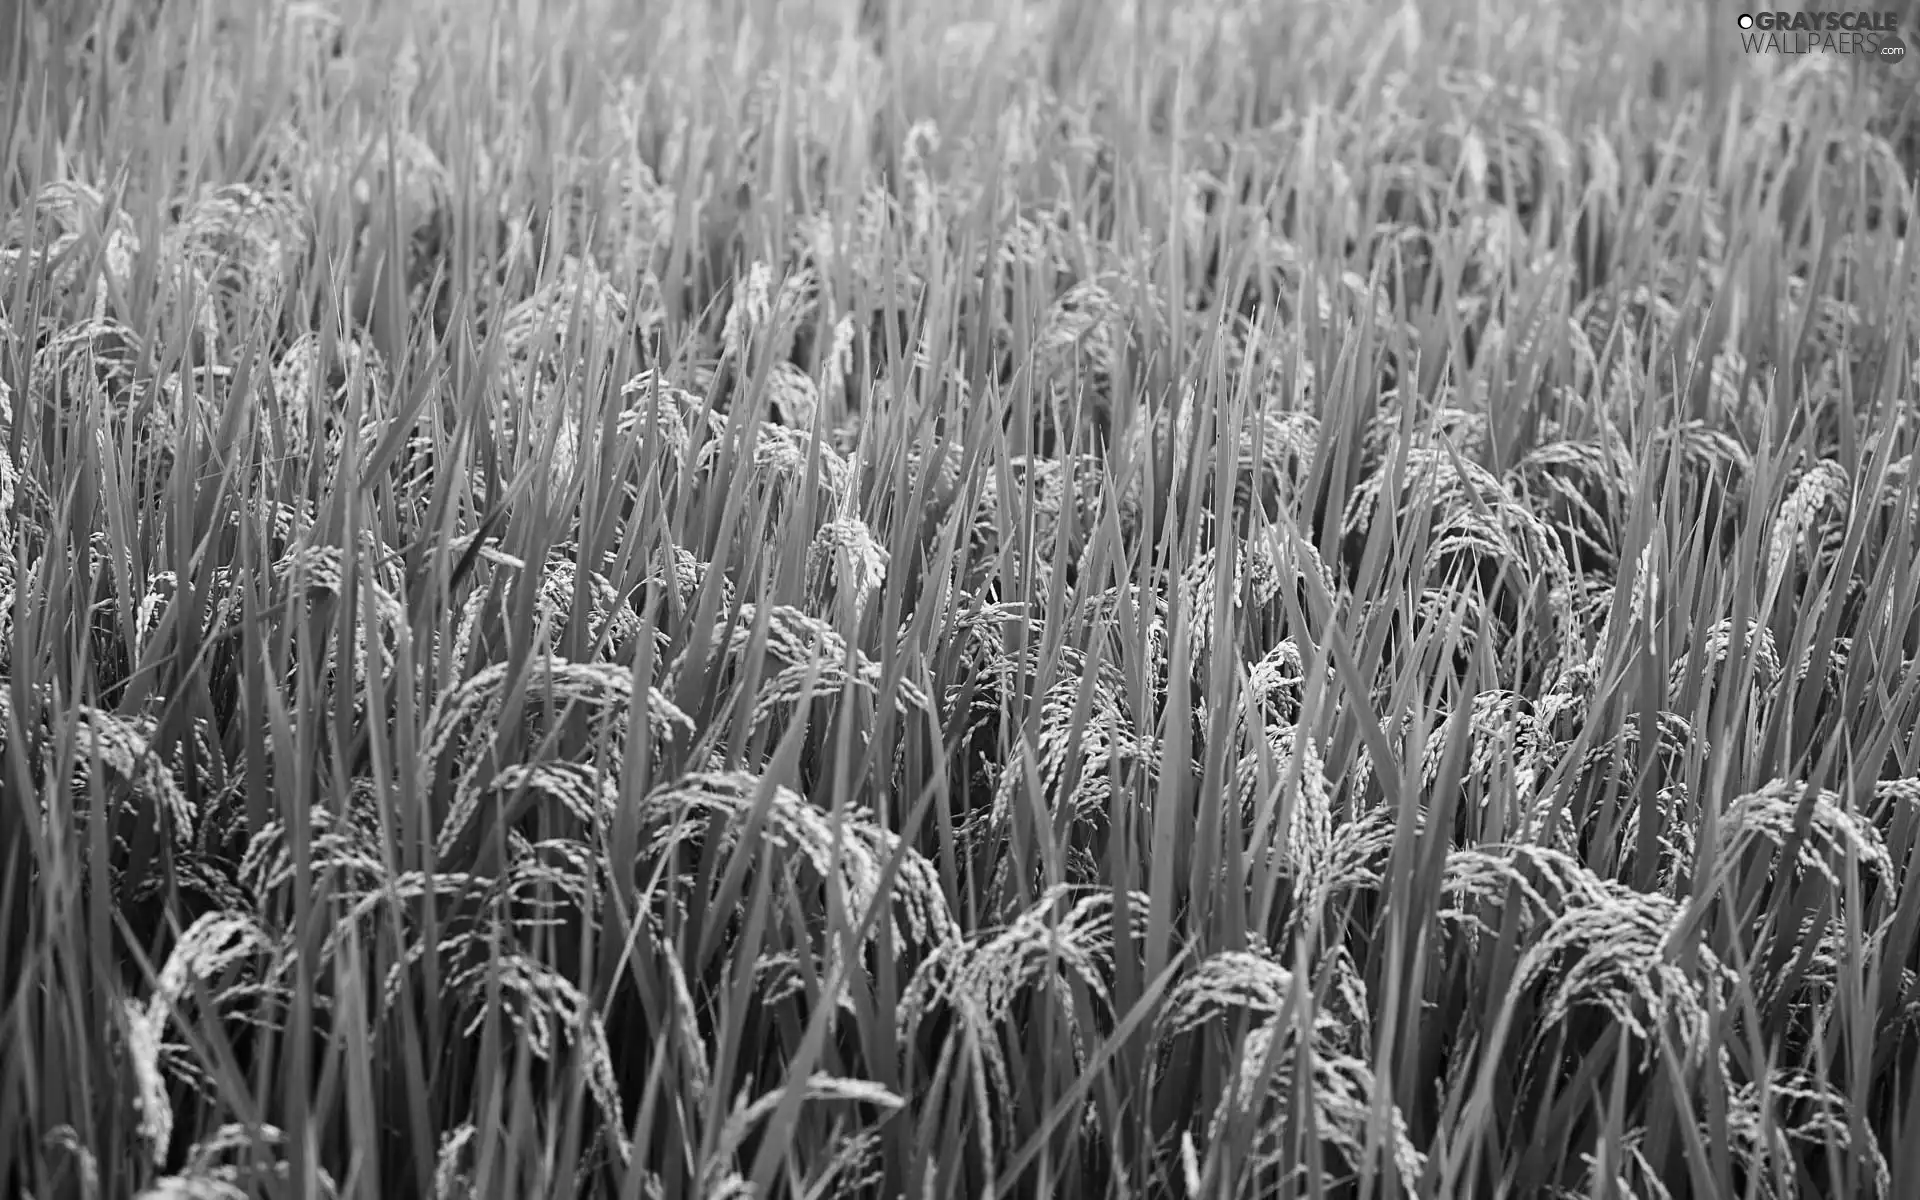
1021, 599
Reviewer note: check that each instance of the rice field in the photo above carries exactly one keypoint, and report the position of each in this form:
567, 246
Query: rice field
1021, 598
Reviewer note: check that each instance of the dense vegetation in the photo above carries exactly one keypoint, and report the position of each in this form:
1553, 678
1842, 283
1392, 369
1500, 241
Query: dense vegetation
1041, 599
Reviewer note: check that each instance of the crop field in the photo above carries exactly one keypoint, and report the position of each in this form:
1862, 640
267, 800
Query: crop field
1015, 598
